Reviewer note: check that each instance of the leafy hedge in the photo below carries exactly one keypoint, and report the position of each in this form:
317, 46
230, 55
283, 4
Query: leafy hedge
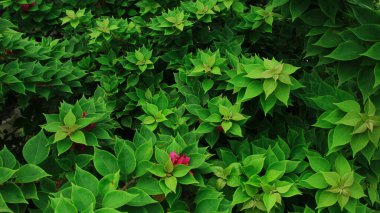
189, 106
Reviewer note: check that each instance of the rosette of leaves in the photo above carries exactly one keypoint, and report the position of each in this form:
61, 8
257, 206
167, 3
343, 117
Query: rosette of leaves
186, 171
148, 6
154, 115
220, 116
140, 60
260, 180
202, 9
349, 125
86, 122
269, 79
120, 31
207, 63
259, 18
171, 22
342, 186
76, 18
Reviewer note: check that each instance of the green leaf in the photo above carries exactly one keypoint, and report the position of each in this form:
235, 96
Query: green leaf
152, 109
348, 106
161, 156
224, 110
204, 128
253, 164
117, 198
226, 125
3, 205
319, 164
126, 160
149, 120
37, 149
63, 146
278, 3
7, 158
105, 163
171, 183
207, 85
350, 119
5, 174
236, 130
29, 173
347, 51
316, 181
282, 93
11, 193
142, 198
370, 108
65, 205
60, 135
332, 178
69, 119
357, 191
329, 39
253, 89
106, 210
157, 170
82, 197
342, 201
78, 137
4, 23
367, 32
269, 86
326, 199
181, 170
239, 196
373, 51
341, 136
29, 190
109, 183
144, 151
342, 166
275, 171
358, 142
377, 75
298, 7
329, 8
269, 200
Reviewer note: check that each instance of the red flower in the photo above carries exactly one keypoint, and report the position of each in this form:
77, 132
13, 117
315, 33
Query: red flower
78, 147
183, 160
177, 159
173, 157
219, 129
90, 126
26, 7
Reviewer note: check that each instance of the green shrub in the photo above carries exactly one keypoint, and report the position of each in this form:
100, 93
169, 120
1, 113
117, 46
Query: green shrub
189, 106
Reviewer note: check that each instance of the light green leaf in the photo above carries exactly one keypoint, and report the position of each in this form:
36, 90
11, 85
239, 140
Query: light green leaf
171, 183
326, 199
269, 86
69, 119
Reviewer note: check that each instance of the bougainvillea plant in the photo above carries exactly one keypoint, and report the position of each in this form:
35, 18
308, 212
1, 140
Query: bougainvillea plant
179, 106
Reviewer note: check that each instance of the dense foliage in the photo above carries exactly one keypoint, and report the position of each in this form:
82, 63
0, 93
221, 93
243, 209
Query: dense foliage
189, 106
